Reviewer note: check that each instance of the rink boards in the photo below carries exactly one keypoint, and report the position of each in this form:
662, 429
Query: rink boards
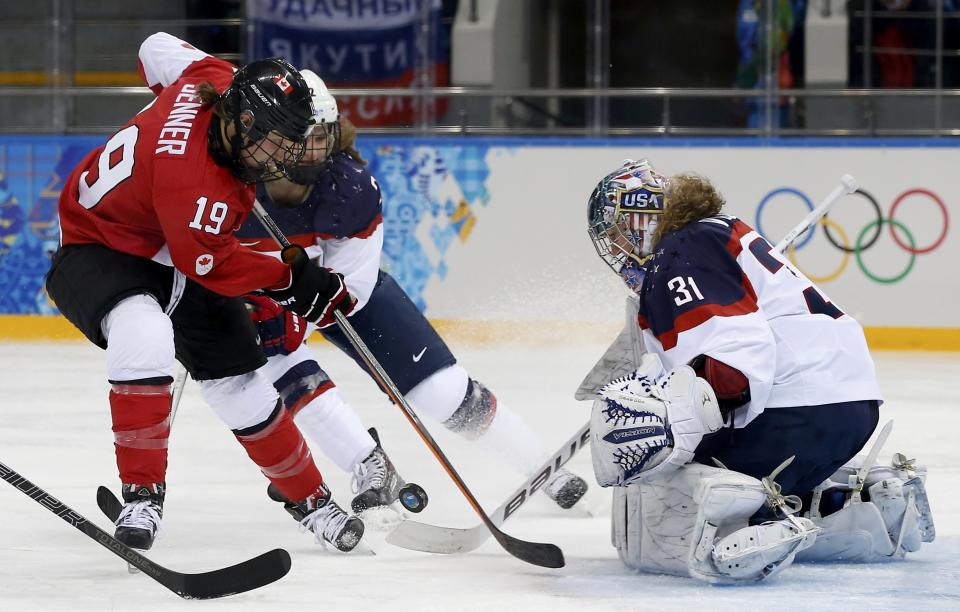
488, 235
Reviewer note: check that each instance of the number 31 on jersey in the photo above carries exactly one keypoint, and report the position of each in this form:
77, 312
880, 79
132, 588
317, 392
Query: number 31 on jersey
681, 285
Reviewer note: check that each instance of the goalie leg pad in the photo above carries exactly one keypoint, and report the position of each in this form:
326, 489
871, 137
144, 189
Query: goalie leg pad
854, 533
891, 519
758, 552
903, 497
898, 507
654, 521
925, 517
726, 548
696, 523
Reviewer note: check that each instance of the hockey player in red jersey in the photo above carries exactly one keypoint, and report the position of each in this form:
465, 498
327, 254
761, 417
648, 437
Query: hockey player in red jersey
149, 269
739, 426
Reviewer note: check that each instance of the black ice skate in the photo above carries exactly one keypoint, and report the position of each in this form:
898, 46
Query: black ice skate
140, 517
321, 515
375, 480
565, 488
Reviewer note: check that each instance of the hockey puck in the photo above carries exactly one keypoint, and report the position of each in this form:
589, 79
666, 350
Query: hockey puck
413, 497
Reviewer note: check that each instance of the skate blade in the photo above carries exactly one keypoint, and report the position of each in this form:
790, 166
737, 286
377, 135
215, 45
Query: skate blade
364, 548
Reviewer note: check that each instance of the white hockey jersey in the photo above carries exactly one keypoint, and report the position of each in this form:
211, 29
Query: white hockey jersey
716, 287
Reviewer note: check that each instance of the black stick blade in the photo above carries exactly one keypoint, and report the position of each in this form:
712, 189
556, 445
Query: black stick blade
240, 578
536, 553
108, 503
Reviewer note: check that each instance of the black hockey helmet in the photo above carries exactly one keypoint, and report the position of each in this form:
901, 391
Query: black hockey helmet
271, 109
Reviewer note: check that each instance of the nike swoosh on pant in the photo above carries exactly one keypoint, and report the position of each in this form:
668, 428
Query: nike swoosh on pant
416, 358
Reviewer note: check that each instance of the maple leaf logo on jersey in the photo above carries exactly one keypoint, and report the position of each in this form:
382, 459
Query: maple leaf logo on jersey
204, 264
282, 83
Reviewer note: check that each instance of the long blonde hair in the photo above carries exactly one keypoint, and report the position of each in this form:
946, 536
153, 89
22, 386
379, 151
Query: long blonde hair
348, 140
690, 197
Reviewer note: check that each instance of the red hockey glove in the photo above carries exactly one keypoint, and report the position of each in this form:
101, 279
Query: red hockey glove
281, 331
315, 292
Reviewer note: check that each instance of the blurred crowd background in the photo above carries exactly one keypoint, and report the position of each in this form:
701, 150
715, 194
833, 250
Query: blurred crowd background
567, 67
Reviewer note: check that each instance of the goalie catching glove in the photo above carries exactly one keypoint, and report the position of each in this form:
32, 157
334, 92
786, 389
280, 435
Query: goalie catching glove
314, 292
650, 422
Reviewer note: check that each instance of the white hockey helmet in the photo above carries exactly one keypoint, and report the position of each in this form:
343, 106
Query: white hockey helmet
324, 140
324, 104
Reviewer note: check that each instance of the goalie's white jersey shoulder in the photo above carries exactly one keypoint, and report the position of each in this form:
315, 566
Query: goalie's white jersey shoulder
718, 288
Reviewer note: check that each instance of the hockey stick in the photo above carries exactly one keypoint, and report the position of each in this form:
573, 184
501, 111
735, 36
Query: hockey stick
246, 576
544, 555
177, 391
448, 540
847, 185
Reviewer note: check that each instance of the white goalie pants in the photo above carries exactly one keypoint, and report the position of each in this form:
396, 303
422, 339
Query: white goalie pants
695, 522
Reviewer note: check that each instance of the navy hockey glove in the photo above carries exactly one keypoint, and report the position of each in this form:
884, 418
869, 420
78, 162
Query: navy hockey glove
281, 331
315, 292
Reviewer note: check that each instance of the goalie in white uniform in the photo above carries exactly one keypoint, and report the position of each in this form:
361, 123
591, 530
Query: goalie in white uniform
733, 440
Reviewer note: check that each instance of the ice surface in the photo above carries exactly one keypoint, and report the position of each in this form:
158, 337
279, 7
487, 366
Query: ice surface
56, 431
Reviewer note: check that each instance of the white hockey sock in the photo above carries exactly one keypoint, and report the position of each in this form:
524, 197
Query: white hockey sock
333, 425
510, 437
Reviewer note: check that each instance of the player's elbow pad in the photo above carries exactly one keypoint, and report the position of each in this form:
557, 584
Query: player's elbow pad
729, 384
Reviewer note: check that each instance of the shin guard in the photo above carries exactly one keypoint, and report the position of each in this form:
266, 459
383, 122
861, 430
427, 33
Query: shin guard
141, 428
277, 446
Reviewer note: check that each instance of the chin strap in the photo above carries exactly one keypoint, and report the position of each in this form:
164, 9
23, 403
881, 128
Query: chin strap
215, 143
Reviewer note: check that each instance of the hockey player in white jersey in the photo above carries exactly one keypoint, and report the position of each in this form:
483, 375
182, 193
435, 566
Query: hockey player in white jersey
733, 440
338, 218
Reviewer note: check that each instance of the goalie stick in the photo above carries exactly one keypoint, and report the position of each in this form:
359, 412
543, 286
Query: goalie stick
448, 540
542, 554
246, 576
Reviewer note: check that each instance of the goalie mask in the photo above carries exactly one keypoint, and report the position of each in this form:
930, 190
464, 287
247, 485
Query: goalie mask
324, 139
624, 210
271, 109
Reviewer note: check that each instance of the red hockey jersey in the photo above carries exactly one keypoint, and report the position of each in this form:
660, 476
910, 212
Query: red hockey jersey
154, 191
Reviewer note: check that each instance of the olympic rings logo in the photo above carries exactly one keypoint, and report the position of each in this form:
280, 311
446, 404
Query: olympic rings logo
867, 237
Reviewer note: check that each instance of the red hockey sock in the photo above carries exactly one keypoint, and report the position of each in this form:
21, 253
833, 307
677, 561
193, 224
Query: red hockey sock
141, 428
282, 454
